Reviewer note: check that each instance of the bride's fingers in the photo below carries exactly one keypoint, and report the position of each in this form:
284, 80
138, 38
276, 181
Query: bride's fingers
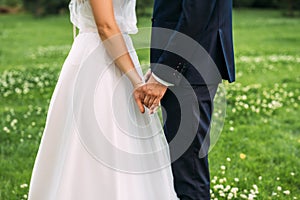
140, 105
138, 99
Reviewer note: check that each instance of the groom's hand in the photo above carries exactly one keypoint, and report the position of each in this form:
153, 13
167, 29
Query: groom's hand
154, 92
149, 95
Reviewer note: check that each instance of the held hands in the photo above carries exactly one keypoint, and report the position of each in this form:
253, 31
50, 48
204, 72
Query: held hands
149, 94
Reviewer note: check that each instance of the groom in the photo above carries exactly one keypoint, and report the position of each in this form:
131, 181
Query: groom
191, 52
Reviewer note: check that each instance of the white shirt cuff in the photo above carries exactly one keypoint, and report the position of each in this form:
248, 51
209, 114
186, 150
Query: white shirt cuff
165, 83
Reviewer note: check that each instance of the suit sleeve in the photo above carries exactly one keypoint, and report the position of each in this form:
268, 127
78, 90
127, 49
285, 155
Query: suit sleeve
193, 21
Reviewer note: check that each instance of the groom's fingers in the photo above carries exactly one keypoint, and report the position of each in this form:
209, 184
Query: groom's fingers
156, 102
153, 109
150, 102
146, 100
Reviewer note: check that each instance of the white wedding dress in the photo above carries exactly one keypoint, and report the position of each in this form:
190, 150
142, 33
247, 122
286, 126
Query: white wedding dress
96, 144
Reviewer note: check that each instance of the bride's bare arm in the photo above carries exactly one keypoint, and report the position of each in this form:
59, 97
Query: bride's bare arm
112, 38
114, 42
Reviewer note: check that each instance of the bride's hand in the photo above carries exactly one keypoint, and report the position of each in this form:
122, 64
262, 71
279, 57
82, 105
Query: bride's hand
139, 96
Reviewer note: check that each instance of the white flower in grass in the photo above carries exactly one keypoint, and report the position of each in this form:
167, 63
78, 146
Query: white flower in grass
221, 193
260, 178
292, 174
286, 192
5, 129
214, 180
251, 196
236, 179
279, 188
223, 168
228, 159
274, 193
18, 90
13, 123
234, 190
277, 178
218, 187
231, 128
243, 196
291, 94
222, 180
255, 189
24, 185
227, 188
230, 196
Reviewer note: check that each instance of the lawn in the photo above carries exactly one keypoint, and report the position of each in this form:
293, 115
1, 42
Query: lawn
257, 154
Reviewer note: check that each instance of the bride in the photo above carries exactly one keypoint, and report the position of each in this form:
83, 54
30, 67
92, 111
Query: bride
96, 144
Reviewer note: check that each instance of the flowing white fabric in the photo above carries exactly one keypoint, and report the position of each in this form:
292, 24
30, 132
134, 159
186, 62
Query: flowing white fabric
96, 144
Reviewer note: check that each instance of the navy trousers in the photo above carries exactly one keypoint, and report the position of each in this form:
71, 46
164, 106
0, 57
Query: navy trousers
187, 115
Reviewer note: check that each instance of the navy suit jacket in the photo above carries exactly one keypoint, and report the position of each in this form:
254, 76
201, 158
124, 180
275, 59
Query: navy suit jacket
207, 22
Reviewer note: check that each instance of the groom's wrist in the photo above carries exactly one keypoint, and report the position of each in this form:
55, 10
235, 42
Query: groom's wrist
161, 81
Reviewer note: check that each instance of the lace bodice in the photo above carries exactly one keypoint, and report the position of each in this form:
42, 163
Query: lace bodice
82, 16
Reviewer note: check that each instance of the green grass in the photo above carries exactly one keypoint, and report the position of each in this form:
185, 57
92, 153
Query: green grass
262, 106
